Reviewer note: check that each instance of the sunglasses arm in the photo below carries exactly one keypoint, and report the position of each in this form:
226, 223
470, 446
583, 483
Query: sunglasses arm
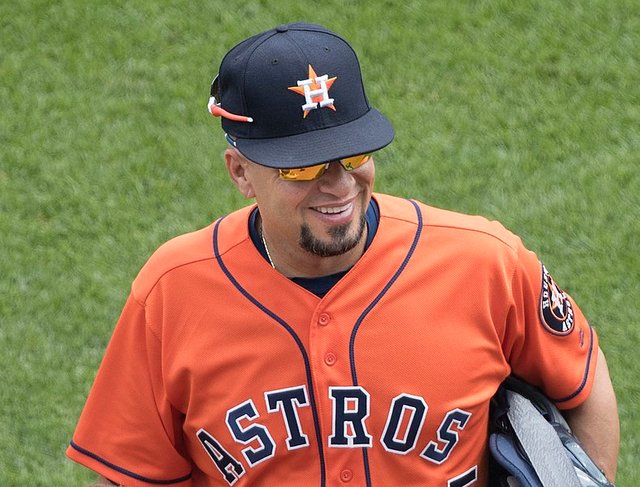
217, 111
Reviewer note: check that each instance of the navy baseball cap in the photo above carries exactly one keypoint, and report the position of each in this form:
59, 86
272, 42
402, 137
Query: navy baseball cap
293, 97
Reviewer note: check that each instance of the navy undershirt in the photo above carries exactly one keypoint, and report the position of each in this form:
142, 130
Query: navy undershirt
319, 285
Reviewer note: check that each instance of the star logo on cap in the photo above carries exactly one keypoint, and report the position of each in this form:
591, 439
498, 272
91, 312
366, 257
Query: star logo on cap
315, 90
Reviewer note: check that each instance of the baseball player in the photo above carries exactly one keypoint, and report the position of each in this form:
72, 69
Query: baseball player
327, 335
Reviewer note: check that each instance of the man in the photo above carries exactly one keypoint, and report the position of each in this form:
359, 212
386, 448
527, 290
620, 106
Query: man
329, 335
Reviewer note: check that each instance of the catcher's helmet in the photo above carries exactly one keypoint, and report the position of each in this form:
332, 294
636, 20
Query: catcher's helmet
527, 429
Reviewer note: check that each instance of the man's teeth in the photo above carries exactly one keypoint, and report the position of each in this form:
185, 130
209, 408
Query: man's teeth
332, 210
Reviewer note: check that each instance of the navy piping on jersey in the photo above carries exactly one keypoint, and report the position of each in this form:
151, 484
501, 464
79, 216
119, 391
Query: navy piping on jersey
368, 309
586, 373
127, 472
286, 326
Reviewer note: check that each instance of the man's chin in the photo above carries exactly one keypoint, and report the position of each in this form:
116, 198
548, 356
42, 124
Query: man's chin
340, 239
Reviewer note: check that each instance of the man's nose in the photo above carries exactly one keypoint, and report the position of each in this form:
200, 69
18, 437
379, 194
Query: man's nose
335, 179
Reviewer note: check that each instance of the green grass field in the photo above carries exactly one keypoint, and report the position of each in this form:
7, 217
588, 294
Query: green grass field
526, 112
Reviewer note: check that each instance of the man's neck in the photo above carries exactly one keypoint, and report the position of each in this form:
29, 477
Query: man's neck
298, 263
301, 263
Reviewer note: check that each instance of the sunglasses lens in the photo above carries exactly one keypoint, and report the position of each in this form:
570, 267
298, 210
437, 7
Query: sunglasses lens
215, 88
354, 162
303, 173
314, 172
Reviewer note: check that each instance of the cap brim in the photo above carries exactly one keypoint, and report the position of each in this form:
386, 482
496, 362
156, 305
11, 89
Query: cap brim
364, 135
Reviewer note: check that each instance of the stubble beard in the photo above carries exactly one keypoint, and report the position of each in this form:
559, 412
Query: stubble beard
339, 244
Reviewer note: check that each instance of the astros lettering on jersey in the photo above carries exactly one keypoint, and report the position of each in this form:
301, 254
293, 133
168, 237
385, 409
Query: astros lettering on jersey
245, 378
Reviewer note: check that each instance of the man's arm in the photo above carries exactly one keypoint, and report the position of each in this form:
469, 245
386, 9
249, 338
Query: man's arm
103, 482
595, 422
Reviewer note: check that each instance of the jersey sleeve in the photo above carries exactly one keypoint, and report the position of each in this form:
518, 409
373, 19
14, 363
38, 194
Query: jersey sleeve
548, 340
128, 431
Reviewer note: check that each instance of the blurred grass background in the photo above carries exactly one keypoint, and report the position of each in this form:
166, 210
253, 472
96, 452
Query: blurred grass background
527, 112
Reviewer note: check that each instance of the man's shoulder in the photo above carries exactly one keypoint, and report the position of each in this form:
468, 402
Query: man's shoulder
452, 223
470, 227
184, 250
175, 253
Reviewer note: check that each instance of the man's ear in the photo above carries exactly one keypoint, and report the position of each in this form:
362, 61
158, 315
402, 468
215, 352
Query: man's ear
237, 168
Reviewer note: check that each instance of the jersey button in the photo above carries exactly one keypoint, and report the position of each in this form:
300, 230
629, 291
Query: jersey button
324, 319
346, 475
330, 359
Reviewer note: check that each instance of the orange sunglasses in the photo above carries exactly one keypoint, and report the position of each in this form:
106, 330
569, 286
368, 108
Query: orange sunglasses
314, 172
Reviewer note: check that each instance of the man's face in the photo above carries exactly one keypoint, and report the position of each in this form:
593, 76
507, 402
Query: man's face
324, 217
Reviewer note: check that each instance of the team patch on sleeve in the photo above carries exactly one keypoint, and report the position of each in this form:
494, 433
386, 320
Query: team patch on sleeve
556, 311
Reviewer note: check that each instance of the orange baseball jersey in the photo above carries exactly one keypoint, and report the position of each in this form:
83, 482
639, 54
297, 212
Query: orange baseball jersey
221, 371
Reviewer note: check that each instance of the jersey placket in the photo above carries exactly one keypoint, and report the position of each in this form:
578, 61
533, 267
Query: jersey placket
342, 407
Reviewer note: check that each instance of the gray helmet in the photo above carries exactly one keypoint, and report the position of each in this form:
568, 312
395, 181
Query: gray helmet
532, 445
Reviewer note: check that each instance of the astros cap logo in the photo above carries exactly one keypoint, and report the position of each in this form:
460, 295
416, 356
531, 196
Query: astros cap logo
315, 90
